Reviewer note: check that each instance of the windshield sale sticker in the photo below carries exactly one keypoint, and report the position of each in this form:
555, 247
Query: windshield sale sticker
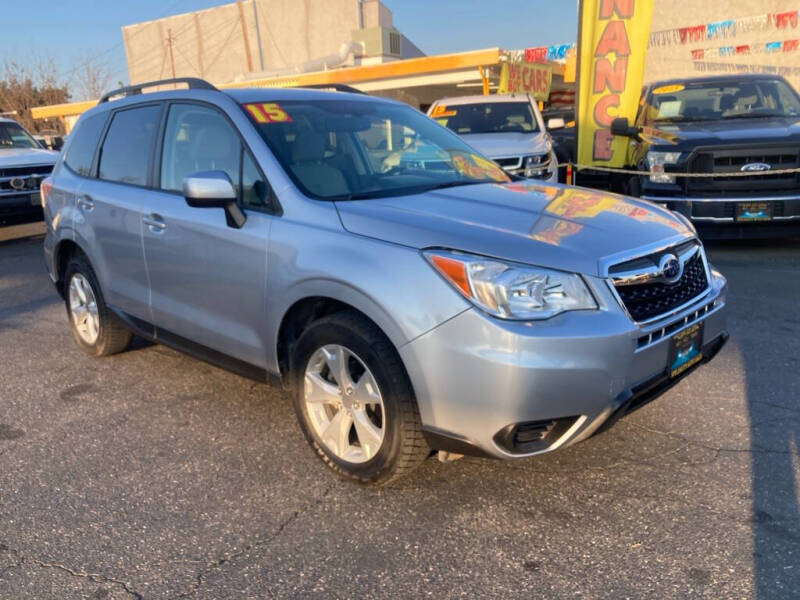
440, 110
669, 89
267, 112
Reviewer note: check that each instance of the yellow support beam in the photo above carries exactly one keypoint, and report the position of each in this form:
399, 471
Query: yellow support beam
398, 68
389, 70
62, 110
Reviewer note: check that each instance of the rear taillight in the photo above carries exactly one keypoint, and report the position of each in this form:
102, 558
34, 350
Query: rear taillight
44, 189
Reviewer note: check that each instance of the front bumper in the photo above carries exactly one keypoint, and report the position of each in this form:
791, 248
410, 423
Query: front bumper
722, 210
20, 208
476, 378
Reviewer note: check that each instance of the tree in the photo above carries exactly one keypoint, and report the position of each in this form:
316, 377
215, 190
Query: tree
90, 78
26, 85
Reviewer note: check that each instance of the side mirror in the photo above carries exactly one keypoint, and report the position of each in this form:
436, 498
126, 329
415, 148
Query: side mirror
213, 189
620, 126
556, 123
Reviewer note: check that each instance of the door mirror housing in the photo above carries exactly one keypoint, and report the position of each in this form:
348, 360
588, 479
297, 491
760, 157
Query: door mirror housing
620, 126
556, 123
213, 189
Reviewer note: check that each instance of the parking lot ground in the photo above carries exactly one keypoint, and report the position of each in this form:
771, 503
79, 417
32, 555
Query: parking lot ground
153, 475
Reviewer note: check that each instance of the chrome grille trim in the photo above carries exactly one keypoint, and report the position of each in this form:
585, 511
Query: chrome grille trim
673, 311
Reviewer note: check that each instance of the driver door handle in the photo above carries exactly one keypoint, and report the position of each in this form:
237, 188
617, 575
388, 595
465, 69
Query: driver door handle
154, 222
85, 203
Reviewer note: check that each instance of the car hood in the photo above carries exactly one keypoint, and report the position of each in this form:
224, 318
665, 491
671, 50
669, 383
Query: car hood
730, 131
22, 157
568, 228
497, 145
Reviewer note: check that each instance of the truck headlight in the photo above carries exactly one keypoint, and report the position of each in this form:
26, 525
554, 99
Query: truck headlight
534, 164
511, 291
656, 162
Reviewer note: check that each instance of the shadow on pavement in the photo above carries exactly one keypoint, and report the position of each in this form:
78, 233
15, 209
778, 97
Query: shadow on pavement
771, 364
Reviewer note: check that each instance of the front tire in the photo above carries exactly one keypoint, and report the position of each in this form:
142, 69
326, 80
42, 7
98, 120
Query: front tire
354, 400
95, 328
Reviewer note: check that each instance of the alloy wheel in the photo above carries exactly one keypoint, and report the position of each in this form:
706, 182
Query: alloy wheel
83, 309
344, 404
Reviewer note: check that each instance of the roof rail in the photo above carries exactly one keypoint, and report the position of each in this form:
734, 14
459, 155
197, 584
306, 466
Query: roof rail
336, 87
194, 83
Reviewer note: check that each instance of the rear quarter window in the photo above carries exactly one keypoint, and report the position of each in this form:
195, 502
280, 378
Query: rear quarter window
81, 149
125, 155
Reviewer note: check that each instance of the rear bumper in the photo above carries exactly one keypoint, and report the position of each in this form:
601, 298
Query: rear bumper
477, 378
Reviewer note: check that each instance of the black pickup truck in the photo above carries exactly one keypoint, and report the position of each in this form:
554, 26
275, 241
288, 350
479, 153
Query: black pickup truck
739, 129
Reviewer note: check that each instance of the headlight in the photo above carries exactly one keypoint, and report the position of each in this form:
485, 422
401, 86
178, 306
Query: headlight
534, 164
656, 162
511, 291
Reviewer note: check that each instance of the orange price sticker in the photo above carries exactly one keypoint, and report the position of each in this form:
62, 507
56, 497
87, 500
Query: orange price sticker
267, 112
440, 110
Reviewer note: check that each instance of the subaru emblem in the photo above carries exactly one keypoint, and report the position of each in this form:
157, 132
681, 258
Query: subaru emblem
670, 267
757, 166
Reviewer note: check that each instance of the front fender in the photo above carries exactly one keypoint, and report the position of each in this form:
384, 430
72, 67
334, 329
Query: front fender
393, 285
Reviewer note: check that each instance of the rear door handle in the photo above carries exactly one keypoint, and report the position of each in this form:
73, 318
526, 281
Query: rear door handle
85, 203
154, 222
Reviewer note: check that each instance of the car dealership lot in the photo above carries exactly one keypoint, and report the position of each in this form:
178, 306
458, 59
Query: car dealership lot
153, 475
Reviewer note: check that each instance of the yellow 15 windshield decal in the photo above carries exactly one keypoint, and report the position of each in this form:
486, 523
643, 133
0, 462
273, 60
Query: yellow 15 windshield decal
267, 112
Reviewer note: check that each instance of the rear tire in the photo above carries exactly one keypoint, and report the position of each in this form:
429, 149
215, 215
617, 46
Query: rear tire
96, 330
369, 404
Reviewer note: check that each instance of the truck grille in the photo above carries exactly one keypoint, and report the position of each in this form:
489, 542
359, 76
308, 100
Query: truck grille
651, 299
731, 160
22, 180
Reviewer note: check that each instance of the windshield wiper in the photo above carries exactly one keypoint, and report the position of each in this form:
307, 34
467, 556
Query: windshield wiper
755, 116
405, 191
680, 120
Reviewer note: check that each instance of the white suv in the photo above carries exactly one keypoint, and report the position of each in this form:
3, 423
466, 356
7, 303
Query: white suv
507, 128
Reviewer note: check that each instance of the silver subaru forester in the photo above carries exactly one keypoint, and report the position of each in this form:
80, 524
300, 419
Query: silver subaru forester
408, 305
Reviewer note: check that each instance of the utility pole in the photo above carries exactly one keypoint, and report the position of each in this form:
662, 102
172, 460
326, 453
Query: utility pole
170, 40
258, 36
244, 37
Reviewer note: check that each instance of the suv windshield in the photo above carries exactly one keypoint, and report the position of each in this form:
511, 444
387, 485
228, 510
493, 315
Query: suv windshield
346, 149
14, 136
487, 117
724, 99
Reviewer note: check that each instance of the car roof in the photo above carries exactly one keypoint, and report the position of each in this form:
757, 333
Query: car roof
479, 99
244, 95
738, 77
7, 120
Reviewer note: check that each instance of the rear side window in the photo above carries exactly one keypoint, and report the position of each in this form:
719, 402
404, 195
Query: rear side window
81, 150
126, 150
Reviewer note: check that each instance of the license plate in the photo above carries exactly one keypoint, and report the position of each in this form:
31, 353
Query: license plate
685, 349
753, 211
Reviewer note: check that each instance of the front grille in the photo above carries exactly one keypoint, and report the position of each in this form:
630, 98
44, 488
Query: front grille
644, 301
510, 162
26, 179
731, 160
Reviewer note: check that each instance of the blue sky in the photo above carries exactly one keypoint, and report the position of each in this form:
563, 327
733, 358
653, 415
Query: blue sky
70, 29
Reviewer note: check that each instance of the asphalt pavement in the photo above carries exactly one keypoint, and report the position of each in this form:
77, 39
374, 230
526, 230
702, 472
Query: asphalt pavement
152, 475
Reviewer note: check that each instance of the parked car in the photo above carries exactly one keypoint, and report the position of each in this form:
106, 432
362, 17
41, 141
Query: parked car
561, 126
509, 129
24, 163
406, 309
728, 126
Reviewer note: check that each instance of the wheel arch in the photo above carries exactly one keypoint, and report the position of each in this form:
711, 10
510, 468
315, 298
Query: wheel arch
64, 250
307, 308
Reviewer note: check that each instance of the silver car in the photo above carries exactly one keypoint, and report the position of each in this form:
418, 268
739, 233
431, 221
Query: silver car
274, 232
508, 128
